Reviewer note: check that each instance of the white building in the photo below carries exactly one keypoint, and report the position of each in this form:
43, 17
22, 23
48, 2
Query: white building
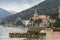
26, 22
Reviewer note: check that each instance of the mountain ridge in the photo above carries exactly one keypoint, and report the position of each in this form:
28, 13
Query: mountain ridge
13, 12
4, 13
48, 7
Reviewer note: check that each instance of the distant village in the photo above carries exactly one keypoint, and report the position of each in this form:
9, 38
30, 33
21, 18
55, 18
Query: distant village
35, 21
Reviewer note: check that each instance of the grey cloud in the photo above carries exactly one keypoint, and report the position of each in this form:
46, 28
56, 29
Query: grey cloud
19, 1
16, 4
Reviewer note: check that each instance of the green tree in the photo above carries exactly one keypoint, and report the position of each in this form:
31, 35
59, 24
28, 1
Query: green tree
2, 23
37, 22
57, 23
17, 22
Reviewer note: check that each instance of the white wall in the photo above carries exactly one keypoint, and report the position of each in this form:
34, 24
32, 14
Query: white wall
26, 22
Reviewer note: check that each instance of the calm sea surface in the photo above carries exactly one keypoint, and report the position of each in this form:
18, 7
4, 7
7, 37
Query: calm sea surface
4, 33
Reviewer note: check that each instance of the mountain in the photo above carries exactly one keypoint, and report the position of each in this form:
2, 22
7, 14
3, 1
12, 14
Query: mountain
48, 7
4, 13
13, 12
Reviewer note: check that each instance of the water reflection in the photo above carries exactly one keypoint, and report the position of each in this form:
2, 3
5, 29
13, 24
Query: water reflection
40, 37
37, 38
4, 34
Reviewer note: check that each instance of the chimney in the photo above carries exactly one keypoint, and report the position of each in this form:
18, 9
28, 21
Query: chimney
59, 13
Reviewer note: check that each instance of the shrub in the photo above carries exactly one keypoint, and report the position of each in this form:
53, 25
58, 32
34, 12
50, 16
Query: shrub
57, 23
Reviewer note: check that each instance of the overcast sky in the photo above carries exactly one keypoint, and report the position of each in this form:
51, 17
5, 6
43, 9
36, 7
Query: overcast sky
18, 5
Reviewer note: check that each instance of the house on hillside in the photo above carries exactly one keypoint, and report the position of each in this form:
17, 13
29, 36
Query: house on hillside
40, 20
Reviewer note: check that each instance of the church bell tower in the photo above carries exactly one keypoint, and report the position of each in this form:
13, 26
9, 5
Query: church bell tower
35, 15
36, 18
